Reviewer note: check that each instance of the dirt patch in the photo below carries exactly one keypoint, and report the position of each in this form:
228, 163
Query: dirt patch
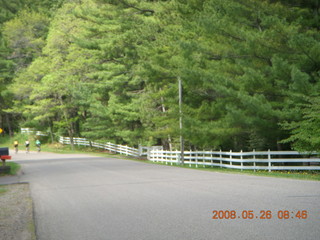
16, 213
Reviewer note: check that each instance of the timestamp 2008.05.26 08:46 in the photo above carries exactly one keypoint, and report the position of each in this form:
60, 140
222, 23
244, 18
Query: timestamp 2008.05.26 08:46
262, 214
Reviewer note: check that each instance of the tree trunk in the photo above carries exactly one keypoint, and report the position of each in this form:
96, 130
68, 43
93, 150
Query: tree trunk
9, 125
71, 137
169, 137
51, 133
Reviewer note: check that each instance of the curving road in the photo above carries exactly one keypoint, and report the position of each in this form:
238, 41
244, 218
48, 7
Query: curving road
84, 197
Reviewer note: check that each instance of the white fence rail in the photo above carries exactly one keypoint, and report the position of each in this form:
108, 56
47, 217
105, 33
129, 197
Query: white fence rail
126, 150
32, 131
129, 151
269, 160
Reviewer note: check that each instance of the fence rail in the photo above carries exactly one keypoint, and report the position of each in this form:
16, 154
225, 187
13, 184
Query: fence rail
267, 160
262, 160
32, 131
129, 151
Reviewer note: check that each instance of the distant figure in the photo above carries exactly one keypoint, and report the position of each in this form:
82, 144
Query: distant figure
38, 144
27, 143
16, 145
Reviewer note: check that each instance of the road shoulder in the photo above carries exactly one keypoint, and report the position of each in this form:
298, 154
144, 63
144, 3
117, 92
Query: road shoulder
16, 212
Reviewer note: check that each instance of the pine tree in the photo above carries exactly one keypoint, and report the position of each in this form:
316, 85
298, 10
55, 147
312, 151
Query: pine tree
305, 133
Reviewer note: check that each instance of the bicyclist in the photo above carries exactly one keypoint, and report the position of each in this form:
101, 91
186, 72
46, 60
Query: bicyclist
16, 145
38, 144
27, 143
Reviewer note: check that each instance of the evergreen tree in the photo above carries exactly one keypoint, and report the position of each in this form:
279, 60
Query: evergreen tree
305, 133
117, 31
50, 90
109, 70
18, 46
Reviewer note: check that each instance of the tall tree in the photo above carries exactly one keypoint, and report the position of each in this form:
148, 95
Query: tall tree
117, 30
53, 93
19, 45
232, 70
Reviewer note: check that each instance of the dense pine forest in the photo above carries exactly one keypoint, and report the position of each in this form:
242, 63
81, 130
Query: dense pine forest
109, 70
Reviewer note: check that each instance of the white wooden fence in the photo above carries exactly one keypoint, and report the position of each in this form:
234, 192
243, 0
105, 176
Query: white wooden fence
268, 160
129, 151
122, 149
32, 131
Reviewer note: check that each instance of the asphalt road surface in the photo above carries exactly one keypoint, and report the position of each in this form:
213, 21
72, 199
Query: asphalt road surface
84, 197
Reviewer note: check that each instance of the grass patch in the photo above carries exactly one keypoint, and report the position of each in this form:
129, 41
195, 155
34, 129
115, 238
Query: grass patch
301, 175
6, 141
15, 167
66, 149
3, 190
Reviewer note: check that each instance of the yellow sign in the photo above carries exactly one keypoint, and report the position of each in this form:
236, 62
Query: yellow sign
1, 130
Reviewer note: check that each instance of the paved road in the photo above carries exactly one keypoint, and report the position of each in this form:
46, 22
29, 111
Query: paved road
89, 198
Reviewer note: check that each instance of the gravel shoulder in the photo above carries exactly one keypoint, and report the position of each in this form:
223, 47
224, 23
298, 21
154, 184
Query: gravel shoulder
16, 212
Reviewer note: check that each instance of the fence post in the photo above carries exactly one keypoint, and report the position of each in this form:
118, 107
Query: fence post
211, 156
196, 155
220, 158
254, 160
231, 157
269, 162
190, 160
241, 157
149, 155
139, 150
204, 160
178, 157
149, 151
156, 155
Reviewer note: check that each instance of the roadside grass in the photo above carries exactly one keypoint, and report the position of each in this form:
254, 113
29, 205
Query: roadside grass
3, 190
6, 141
301, 175
15, 167
66, 149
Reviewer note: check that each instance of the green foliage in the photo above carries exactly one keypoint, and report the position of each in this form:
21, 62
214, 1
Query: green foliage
25, 35
115, 39
23, 25
305, 133
109, 70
